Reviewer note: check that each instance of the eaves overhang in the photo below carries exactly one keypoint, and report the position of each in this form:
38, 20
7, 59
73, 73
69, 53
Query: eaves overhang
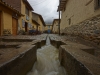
35, 22
28, 4
62, 5
40, 18
10, 7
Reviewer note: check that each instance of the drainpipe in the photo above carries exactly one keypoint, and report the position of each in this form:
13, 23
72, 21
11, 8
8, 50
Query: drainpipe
59, 19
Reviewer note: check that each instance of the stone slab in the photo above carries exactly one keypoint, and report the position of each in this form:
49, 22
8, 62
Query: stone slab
78, 62
17, 61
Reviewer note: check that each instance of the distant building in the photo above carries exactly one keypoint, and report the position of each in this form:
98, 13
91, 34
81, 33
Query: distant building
76, 11
8, 19
38, 21
55, 26
48, 28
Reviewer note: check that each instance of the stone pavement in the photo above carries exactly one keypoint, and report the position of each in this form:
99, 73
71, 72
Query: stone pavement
15, 53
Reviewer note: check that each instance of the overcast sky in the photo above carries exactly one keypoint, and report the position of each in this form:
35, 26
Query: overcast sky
46, 8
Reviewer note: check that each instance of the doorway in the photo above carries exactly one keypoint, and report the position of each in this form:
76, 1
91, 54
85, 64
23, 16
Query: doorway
14, 26
26, 26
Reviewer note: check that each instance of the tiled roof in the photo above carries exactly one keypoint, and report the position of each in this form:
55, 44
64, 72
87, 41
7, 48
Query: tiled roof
17, 4
40, 18
2, 2
14, 3
28, 4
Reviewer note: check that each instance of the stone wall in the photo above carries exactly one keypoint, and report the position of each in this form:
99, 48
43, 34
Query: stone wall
88, 29
20, 64
78, 11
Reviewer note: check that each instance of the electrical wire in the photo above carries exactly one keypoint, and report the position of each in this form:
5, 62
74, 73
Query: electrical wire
41, 8
36, 1
40, 2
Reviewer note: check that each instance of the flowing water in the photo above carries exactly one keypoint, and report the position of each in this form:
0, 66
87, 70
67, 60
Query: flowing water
47, 61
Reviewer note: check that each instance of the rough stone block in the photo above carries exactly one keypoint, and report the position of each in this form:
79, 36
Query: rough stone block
21, 63
78, 62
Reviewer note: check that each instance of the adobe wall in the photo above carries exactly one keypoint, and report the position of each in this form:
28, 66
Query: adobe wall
78, 11
55, 27
6, 19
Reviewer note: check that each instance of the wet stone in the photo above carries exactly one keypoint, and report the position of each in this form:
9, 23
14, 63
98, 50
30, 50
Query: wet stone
47, 61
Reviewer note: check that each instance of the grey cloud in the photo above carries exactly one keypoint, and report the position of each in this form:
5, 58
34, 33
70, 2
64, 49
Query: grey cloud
47, 8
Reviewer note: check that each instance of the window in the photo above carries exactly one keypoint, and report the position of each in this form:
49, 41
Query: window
27, 11
97, 4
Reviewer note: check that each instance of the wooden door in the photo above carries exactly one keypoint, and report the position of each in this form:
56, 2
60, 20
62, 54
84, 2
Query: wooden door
14, 26
0, 23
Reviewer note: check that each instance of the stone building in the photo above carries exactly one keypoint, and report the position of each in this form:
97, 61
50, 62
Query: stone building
8, 19
55, 26
25, 22
76, 11
81, 19
38, 21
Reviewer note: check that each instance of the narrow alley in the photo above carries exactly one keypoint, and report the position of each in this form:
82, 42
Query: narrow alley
49, 37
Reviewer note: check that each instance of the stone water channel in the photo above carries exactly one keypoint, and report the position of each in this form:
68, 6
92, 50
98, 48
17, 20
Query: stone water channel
34, 55
47, 61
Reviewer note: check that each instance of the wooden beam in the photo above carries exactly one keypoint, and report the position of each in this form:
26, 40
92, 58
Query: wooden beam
62, 5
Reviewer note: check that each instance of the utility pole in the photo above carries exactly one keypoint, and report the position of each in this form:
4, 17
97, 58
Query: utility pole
59, 18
